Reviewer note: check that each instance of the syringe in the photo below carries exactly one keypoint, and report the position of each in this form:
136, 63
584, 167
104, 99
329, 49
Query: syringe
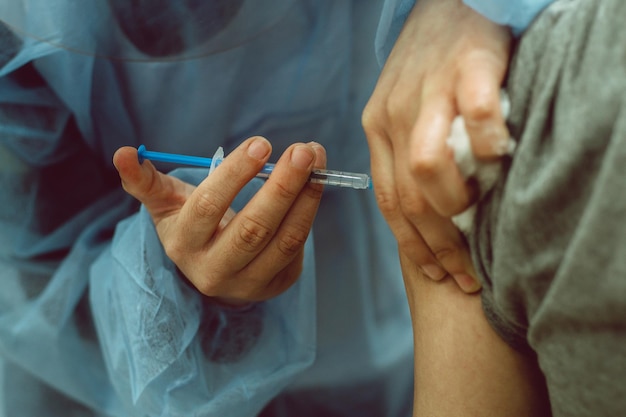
318, 176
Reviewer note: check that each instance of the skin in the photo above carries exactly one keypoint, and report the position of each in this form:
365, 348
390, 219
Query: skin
237, 258
462, 367
448, 60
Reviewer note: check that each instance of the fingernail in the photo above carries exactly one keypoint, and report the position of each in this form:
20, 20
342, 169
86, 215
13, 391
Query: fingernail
434, 272
259, 149
302, 157
320, 154
467, 283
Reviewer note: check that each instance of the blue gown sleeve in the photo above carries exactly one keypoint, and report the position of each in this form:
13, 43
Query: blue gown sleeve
89, 303
392, 18
517, 14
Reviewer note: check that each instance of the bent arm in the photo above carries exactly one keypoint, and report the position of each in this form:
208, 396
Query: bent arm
462, 367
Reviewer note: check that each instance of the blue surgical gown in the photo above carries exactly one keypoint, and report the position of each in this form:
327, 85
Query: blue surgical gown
94, 318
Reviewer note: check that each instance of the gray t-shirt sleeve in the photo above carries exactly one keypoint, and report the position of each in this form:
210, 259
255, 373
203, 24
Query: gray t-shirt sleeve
550, 243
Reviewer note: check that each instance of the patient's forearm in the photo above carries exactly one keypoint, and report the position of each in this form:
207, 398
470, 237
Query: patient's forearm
462, 367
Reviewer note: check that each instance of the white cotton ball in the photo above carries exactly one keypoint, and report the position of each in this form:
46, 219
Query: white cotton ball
485, 173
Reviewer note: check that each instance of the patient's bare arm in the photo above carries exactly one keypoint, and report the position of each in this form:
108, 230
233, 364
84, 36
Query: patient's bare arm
462, 367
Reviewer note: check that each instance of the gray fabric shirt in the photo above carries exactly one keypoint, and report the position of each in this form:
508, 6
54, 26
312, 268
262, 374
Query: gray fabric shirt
550, 241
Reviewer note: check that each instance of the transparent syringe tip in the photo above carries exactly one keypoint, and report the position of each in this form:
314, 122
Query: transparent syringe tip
341, 179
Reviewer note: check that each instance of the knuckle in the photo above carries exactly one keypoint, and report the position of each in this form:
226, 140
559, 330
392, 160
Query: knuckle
292, 241
208, 206
414, 208
387, 201
394, 105
447, 255
208, 286
405, 242
212, 281
443, 253
375, 119
252, 235
426, 167
480, 110
173, 250
370, 118
314, 191
410, 244
284, 193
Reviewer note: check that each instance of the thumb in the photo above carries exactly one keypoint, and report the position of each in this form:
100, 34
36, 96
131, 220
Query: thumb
161, 194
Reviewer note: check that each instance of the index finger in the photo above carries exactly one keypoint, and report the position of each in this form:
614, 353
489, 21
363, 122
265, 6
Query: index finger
201, 214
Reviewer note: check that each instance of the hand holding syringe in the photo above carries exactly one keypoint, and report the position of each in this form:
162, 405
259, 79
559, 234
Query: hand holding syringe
232, 248
318, 176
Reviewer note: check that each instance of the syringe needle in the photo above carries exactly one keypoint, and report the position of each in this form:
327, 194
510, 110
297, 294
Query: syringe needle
318, 176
